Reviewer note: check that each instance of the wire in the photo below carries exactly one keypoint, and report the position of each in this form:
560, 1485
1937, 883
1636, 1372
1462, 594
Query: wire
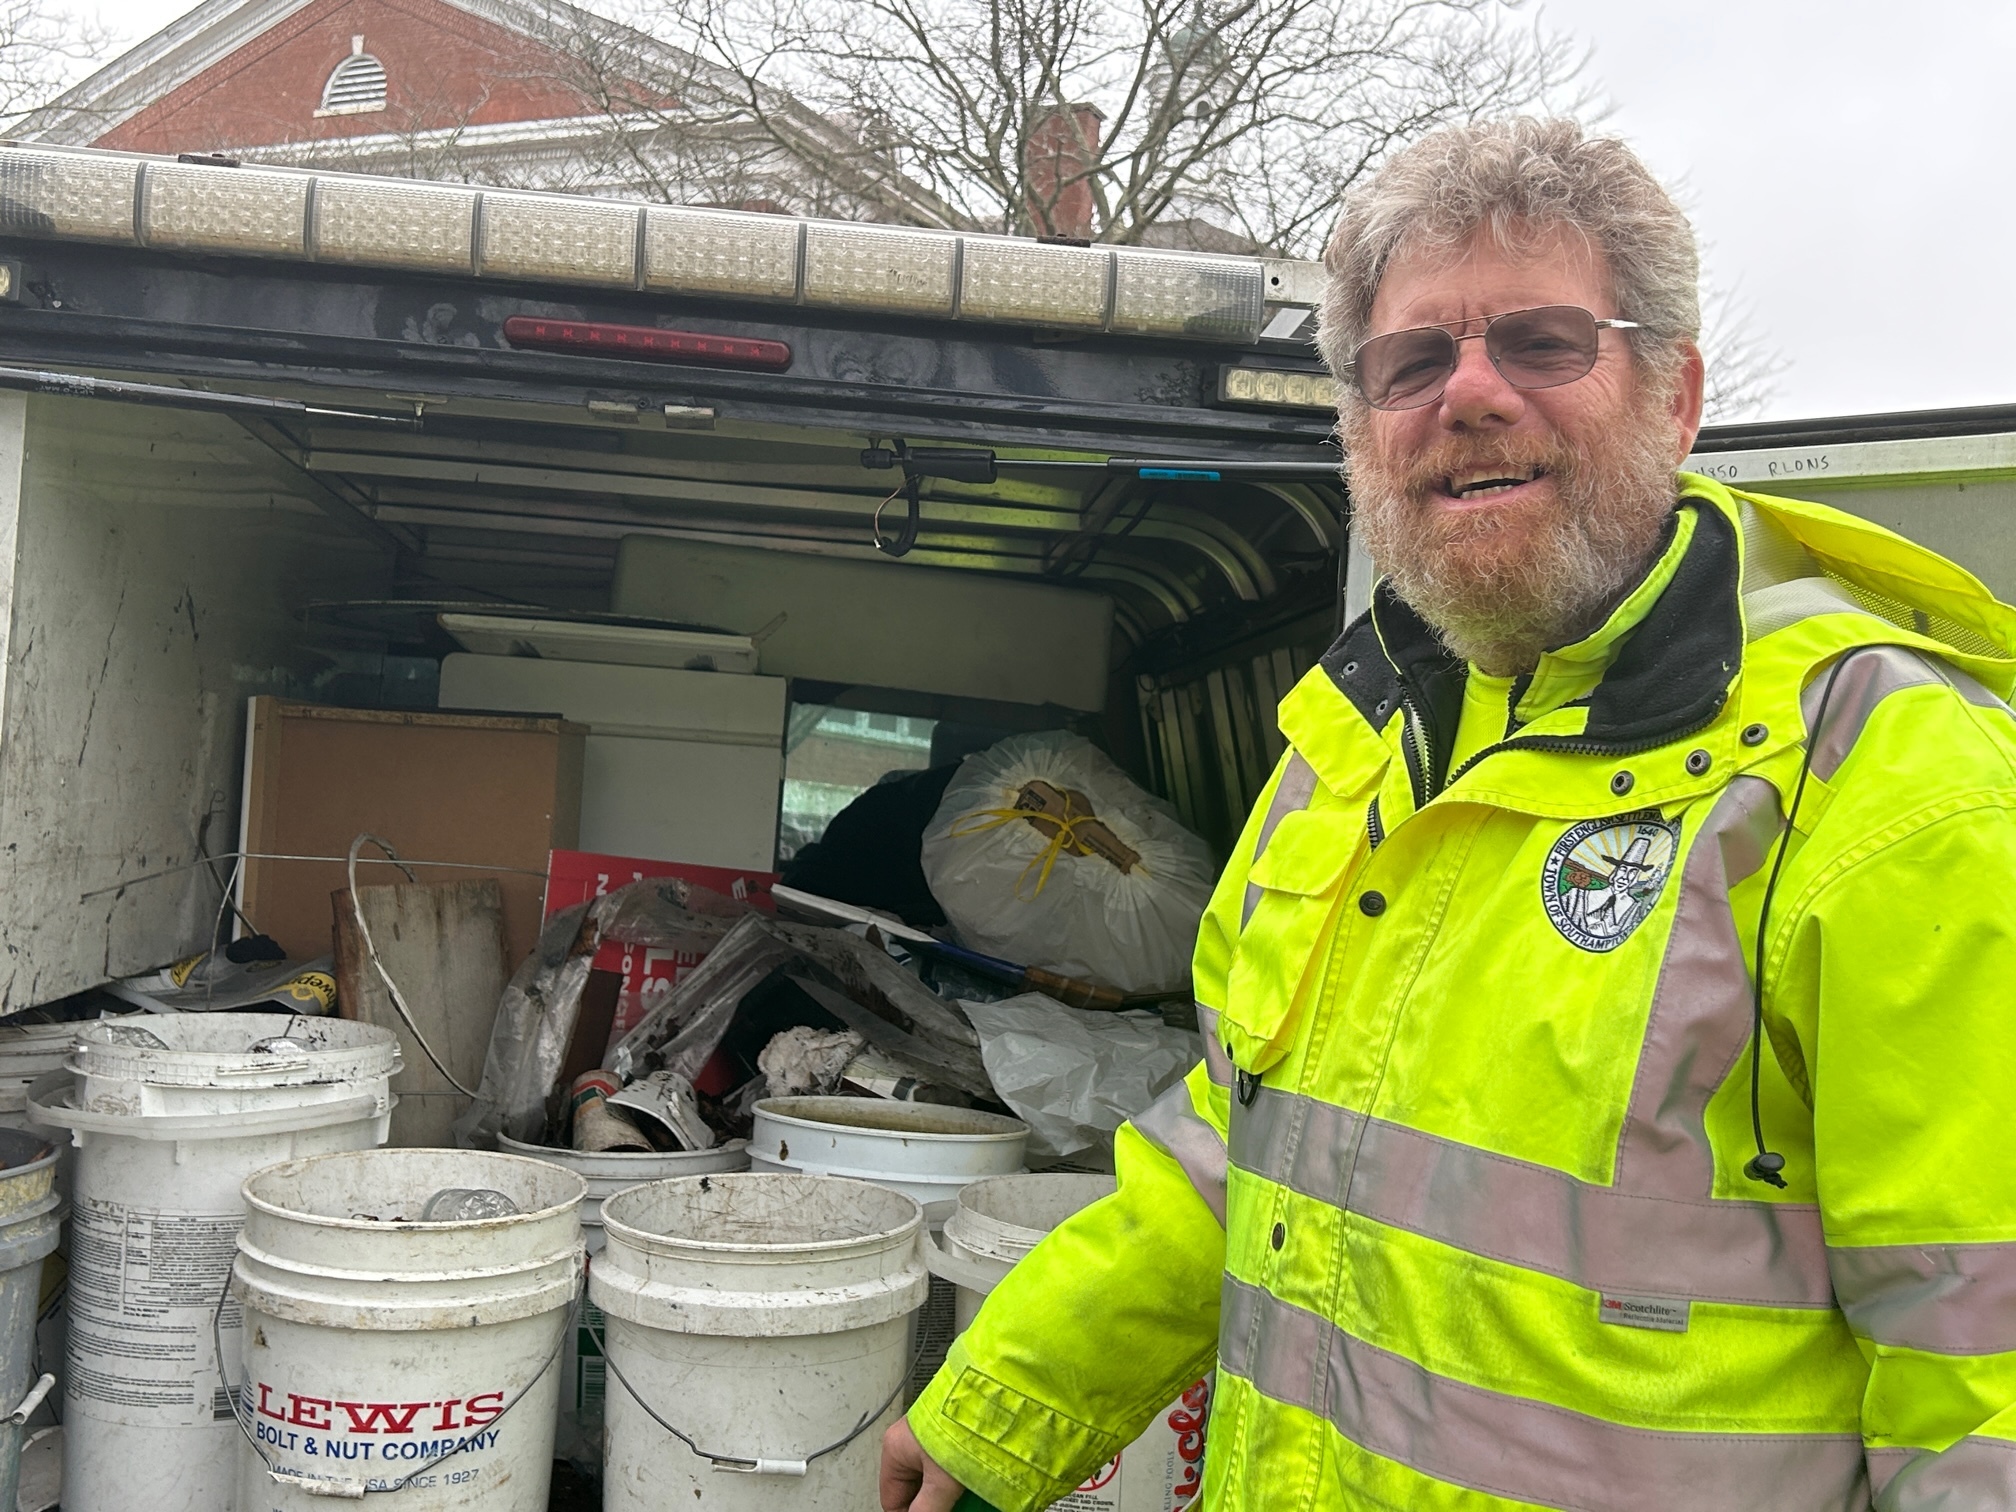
1767, 1163
371, 950
482, 866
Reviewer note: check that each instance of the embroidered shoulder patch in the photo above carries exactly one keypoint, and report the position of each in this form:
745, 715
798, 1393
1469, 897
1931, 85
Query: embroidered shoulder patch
1605, 875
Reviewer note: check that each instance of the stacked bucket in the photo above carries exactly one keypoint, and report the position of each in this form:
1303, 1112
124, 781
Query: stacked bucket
267, 1310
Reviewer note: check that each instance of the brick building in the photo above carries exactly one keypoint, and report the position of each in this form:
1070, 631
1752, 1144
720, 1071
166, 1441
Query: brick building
491, 91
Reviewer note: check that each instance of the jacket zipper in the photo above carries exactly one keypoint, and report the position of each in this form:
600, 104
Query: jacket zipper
1414, 747
1569, 746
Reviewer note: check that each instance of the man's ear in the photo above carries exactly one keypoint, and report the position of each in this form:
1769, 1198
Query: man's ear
1686, 407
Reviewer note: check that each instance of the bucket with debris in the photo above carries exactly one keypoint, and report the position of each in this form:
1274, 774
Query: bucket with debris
583, 1381
170, 1113
405, 1312
758, 1324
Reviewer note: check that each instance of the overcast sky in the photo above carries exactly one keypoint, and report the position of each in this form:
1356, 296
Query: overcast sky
1847, 162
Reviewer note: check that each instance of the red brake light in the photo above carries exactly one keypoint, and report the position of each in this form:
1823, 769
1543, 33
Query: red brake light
649, 343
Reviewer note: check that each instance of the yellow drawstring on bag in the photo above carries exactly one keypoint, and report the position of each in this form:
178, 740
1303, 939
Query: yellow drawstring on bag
1064, 838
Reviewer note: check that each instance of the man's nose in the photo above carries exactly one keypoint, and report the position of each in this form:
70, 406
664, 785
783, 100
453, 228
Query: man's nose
1477, 397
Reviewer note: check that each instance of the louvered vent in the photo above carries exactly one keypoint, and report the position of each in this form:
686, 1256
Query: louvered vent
357, 85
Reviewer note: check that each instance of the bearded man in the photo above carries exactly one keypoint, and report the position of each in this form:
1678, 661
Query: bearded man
1607, 1093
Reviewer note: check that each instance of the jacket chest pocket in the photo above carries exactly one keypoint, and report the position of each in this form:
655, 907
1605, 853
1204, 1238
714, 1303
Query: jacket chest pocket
1292, 893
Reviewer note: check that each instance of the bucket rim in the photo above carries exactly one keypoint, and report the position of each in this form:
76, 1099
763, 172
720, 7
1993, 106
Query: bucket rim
675, 1244
93, 1053
990, 1236
53, 1152
554, 1155
776, 1109
402, 1225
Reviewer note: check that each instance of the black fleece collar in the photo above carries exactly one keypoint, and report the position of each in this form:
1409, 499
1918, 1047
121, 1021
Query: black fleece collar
1670, 676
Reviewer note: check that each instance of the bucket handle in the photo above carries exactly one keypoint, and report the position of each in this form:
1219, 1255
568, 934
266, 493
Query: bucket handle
960, 1271
745, 1464
354, 1490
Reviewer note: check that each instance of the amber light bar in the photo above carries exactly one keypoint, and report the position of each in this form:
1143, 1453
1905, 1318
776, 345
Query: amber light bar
647, 342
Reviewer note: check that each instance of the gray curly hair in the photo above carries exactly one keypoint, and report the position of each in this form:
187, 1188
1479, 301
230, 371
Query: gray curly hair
1516, 177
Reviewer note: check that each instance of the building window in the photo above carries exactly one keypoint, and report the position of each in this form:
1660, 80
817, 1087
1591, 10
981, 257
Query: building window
357, 87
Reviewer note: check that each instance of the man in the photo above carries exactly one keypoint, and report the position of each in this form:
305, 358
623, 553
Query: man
1489, 1193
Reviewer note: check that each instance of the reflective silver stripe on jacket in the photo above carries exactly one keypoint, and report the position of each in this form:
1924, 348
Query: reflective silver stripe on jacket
1170, 1123
1944, 1298
1975, 1475
1292, 793
1217, 1064
1525, 1450
1768, 1254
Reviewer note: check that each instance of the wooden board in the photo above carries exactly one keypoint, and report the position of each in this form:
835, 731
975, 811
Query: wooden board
496, 790
444, 945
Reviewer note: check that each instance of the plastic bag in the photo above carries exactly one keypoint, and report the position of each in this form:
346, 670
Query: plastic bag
536, 1015
1045, 853
1074, 1075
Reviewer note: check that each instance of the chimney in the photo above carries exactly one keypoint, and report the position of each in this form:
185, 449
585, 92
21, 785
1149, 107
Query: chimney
1063, 144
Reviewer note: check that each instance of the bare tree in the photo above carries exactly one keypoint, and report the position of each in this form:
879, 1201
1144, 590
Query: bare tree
1237, 124
43, 50
1743, 368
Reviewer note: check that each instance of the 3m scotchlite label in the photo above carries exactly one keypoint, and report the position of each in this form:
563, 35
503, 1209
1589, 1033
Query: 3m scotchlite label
1662, 1313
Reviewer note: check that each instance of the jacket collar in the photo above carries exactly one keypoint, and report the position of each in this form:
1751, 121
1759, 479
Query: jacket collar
1669, 674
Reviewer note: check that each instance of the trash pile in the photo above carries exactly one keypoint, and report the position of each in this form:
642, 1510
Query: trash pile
1053, 987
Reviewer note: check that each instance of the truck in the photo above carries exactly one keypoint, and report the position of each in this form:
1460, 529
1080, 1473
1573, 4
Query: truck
259, 425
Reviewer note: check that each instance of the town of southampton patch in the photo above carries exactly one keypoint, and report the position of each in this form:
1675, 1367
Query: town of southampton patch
1604, 876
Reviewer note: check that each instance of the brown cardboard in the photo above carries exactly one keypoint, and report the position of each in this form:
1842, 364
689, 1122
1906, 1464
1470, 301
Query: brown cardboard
499, 791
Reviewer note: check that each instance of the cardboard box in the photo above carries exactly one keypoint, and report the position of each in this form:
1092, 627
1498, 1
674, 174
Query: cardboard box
487, 791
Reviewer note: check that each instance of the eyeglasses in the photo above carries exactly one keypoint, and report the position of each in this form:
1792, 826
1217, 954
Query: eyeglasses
1532, 349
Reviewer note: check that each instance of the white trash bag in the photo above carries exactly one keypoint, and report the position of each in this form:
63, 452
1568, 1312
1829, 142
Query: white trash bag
1045, 853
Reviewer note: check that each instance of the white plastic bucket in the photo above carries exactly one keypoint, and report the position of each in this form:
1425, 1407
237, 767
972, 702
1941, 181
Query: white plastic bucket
766, 1319
995, 1224
31, 1218
165, 1138
388, 1353
583, 1382
29, 1052
920, 1149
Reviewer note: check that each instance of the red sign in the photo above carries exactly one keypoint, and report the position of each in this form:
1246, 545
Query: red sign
647, 971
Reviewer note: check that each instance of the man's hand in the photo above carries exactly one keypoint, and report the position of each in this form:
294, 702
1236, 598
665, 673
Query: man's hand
911, 1479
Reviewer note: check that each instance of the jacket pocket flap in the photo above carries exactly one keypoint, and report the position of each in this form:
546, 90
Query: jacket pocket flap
1308, 853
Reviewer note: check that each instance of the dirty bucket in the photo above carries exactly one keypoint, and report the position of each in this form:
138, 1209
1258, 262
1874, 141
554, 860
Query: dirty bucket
14, 1437
578, 1434
995, 1224
920, 1149
170, 1113
28, 1052
758, 1330
31, 1220
403, 1328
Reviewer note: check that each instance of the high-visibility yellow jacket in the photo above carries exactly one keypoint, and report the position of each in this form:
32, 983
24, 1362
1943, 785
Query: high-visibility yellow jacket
1457, 1202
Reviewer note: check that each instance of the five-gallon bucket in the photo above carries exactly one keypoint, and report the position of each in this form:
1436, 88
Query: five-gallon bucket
920, 1149
995, 1224
31, 1220
758, 1330
29, 1052
583, 1382
170, 1113
404, 1315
